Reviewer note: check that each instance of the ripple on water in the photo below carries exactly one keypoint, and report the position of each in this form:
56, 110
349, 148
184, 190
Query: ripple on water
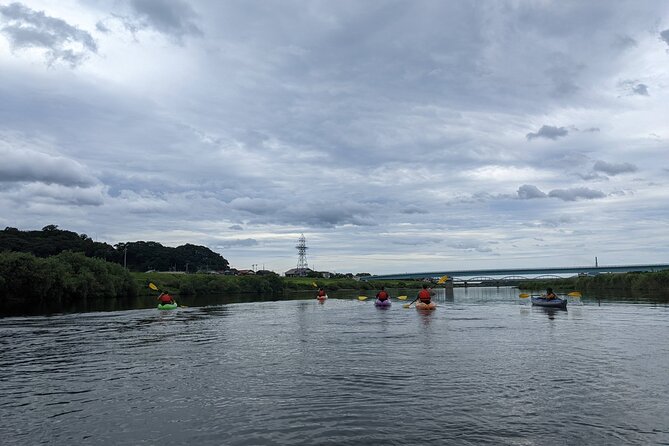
344, 372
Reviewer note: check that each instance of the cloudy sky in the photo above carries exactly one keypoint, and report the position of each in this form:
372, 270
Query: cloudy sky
397, 136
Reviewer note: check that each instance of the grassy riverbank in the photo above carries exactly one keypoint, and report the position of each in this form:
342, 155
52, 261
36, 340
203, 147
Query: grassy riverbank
637, 282
202, 284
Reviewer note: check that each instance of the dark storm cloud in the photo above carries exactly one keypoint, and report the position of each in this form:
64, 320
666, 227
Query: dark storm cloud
174, 18
614, 169
549, 132
576, 193
528, 191
26, 28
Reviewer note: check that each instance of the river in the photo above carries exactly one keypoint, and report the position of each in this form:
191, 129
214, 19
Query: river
484, 368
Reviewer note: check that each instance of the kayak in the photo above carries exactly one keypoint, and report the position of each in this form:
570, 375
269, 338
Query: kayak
424, 306
550, 303
382, 303
167, 306
322, 298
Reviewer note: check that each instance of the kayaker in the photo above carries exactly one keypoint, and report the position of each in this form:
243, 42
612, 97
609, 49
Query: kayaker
165, 298
425, 295
321, 294
550, 294
382, 295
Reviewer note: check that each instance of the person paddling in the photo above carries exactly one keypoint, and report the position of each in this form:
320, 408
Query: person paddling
321, 294
425, 295
550, 294
382, 295
165, 298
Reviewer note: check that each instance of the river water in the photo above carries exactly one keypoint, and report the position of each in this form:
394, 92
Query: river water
481, 369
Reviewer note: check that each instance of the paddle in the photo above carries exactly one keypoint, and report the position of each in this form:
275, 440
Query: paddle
409, 304
572, 294
362, 297
402, 297
442, 280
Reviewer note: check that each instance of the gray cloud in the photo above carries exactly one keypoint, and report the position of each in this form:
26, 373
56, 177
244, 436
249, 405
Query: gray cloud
549, 132
175, 18
576, 193
640, 89
245, 243
624, 42
369, 126
30, 166
528, 191
635, 87
613, 169
26, 28
592, 176
664, 35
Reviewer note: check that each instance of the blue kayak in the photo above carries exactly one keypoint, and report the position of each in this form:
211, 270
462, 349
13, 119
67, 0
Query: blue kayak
550, 303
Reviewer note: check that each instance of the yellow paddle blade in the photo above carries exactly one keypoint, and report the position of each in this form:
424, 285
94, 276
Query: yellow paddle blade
443, 279
402, 297
314, 284
523, 296
362, 297
152, 286
406, 305
574, 294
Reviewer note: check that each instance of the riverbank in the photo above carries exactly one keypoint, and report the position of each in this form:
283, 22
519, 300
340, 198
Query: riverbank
271, 284
624, 282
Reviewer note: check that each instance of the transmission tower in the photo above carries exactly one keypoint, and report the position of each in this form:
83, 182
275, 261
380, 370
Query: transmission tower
302, 256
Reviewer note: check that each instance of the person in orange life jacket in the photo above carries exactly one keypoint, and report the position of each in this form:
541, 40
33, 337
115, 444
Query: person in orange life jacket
165, 298
382, 295
321, 293
425, 295
550, 294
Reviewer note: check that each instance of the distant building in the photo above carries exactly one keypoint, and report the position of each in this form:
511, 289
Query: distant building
298, 272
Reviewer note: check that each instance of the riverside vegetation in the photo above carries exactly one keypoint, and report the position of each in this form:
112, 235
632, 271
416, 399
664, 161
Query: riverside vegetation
62, 267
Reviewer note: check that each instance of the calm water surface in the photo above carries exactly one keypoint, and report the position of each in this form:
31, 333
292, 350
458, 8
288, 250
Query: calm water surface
481, 369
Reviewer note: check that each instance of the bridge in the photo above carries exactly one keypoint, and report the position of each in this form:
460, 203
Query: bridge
524, 273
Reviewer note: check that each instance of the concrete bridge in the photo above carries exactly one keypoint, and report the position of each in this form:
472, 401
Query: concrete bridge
522, 273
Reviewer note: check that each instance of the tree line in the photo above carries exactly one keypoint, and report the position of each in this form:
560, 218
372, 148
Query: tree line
135, 256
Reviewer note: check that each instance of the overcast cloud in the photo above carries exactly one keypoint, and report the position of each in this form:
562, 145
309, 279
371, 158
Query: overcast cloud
396, 136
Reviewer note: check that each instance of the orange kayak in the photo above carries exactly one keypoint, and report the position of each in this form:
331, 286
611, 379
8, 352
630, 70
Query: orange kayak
424, 306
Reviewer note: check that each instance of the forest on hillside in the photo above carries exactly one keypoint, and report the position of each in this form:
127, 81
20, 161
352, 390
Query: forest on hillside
136, 256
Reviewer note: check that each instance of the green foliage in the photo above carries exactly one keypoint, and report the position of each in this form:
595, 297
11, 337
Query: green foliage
204, 284
138, 256
65, 277
653, 281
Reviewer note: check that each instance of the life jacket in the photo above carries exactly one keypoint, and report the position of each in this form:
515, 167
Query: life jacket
382, 295
424, 295
165, 298
321, 293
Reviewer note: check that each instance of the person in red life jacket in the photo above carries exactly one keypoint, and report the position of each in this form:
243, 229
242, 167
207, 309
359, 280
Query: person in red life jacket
321, 294
425, 295
165, 298
382, 295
